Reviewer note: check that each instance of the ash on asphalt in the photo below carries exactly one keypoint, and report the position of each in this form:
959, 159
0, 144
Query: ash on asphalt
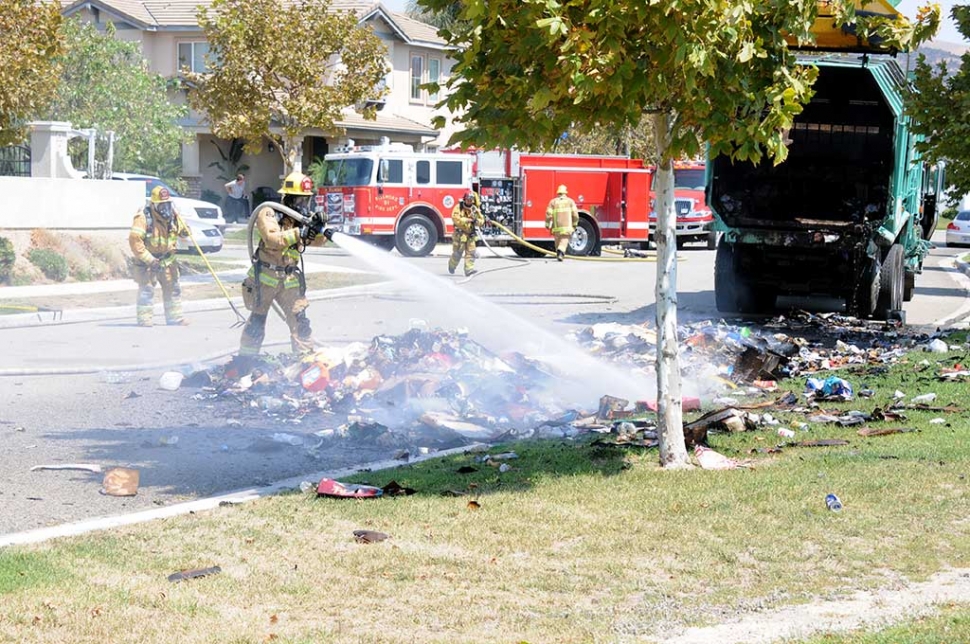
81, 419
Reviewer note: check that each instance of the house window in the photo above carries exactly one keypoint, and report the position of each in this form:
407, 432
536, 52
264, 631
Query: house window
423, 173
434, 75
417, 77
193, 56
449, 173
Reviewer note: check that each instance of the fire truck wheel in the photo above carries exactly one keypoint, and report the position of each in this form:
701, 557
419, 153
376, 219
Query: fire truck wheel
583, 240
416, 236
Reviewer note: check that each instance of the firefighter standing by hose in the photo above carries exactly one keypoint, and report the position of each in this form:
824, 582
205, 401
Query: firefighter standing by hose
468, 220
153, 238
562, 217
277, 271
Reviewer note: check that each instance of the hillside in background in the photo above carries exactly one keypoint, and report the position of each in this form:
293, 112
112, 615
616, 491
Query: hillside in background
937, 51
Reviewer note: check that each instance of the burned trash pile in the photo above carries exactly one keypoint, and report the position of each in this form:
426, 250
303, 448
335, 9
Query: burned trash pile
422, 390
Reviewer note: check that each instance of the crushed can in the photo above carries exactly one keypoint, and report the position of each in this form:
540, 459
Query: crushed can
833, 503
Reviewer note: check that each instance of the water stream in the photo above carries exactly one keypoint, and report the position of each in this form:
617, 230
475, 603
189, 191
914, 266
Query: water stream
585, 378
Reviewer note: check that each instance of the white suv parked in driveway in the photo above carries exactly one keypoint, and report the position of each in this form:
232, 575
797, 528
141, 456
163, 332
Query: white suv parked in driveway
207, 212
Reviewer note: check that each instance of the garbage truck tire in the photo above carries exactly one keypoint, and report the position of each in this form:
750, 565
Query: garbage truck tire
727, 286
867, 291
416, 236
891, 282
909, 286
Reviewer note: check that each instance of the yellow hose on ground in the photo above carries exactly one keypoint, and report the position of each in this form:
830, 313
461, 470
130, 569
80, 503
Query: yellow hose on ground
549, 253
241, 318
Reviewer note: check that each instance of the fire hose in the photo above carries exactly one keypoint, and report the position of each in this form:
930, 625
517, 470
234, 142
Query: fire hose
549, 253
240, 318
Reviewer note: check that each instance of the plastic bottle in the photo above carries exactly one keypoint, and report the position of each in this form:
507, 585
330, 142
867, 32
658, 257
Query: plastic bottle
784, 432
833, 503
925, 398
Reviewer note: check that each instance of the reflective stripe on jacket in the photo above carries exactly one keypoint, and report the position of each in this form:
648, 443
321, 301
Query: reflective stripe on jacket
463, 219
562, 217
159, 242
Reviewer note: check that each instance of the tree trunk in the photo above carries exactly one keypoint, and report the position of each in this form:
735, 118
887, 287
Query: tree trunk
291, 149
670, 413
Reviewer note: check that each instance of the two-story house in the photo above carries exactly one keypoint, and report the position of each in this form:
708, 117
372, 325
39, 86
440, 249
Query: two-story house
170, 39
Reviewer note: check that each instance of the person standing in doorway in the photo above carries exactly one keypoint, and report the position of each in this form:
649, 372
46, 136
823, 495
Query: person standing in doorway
237, 206
562, 217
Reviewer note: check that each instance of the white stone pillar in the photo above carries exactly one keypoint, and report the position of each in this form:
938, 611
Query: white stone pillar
48, 150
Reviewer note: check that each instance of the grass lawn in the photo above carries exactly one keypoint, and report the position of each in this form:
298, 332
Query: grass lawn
576, 543
949, 626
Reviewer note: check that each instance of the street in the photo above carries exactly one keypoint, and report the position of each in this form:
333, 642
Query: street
51, 413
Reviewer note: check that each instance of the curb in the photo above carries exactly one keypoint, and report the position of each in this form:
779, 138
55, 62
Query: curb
212, 502
76, 316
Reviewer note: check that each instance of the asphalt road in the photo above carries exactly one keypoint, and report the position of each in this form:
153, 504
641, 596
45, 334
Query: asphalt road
83, 418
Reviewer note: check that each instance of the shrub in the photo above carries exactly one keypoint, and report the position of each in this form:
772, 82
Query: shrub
7, 258
211, 196
51, 264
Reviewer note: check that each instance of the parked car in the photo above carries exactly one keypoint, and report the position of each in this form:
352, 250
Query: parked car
208, 237
958, 230
186, 207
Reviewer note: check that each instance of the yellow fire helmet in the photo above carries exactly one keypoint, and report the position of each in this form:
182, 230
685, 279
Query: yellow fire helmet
297, 183
561, 190
160, 194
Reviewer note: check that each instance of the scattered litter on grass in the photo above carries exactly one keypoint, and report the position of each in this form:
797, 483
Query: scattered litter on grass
369, 536
332, 488
195, 573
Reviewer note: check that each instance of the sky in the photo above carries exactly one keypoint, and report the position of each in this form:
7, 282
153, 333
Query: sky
948, 31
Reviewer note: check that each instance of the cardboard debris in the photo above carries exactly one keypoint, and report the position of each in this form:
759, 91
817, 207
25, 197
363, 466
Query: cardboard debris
120, 481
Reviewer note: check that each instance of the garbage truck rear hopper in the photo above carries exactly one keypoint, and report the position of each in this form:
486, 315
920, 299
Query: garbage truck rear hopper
849, 213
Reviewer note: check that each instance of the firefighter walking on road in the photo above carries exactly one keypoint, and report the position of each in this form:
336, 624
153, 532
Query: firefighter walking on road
468, 220
562, 217
277, 270
153, 239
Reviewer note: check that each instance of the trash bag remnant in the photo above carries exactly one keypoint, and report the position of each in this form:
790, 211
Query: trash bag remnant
369, 536
120, 481
332, 488
82, 467
832, 388
183, 575
170, 380
708, 459
396, 489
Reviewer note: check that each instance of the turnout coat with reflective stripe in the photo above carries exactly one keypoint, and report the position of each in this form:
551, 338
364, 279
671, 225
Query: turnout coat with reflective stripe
148, 245
562, 217
279, 245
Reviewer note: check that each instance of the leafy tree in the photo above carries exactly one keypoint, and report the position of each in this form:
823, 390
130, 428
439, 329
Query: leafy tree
593, 138
281, 67
29, 48
231, 164
106, 84
717, 71
940, 105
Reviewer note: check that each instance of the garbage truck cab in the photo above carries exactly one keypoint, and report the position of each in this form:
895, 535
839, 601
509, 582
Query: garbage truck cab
847, 215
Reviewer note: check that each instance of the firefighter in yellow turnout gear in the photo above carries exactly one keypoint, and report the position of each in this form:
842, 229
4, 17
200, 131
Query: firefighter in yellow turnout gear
562, 217
276, 274
153, 238
467, 219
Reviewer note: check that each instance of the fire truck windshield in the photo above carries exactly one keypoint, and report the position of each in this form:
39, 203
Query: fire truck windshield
689, 179
348, 172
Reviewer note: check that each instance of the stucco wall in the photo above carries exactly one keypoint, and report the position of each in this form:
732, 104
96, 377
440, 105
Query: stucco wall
68, 203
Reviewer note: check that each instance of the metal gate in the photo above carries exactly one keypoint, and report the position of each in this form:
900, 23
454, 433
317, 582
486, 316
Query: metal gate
15, 161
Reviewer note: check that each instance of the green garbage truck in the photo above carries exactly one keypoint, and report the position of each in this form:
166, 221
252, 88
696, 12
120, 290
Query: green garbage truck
847, 216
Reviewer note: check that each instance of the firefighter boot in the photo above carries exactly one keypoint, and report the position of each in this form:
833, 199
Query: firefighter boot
560, 256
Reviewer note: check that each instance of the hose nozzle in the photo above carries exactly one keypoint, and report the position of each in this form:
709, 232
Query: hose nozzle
328, 233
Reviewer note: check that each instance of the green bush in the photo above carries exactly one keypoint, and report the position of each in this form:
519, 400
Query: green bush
51, 264
211, 196
7, 258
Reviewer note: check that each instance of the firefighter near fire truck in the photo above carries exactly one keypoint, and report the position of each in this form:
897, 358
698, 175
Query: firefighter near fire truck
153, 239
468, 220
562, 217
276, 276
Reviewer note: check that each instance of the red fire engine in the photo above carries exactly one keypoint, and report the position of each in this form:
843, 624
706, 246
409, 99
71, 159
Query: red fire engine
695, 222
393, 196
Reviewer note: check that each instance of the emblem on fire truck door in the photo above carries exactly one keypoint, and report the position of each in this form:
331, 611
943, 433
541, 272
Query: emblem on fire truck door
448, 201
385, 203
